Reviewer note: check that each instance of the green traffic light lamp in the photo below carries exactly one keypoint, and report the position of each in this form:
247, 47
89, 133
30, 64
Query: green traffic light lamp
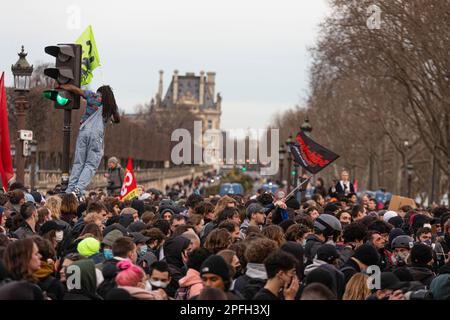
56, 96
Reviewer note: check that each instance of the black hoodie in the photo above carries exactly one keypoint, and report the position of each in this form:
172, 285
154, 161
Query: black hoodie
173, 249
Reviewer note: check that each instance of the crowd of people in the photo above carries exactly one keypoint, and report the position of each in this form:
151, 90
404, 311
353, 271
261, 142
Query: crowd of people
335, 246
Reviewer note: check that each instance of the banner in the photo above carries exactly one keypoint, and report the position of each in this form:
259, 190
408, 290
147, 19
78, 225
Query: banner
6, 167
90, 59
129, 188
310, 155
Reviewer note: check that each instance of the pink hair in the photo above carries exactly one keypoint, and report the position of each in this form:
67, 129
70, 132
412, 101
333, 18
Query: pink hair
130, 274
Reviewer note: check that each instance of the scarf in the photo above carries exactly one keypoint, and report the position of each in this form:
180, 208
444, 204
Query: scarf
44, 271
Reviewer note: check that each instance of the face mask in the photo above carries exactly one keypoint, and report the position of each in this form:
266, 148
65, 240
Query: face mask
158, 284
142, 251
108, 254
400, 258
427, 242
59, 236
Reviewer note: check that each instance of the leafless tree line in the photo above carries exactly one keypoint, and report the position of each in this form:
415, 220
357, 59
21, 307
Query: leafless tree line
373, 89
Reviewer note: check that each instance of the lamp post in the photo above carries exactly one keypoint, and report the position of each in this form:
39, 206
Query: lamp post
281, 151
33, 149
22, 76
288, 149
406, 146
410, 170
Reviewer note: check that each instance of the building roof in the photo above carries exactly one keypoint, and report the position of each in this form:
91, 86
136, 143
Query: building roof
189, 93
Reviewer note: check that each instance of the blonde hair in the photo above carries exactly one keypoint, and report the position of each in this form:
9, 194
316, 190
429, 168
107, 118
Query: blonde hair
53, 204
222, 204
357, 288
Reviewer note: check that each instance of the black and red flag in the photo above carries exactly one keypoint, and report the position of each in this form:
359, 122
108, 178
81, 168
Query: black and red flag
311, 155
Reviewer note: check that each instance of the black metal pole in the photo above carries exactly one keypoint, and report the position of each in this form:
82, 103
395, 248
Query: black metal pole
65, 165
433, 181
409, 184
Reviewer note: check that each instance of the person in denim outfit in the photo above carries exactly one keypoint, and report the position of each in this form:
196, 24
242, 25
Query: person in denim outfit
101, 107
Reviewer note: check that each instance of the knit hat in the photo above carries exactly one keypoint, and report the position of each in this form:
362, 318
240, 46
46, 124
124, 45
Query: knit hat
327, 253
421, 253
137, 226
113, 160
111, 237
88, 247
216, 265
367, 255
394, 233
440, 287
29, 198
254, 208
293, 203
397, 221
49, 226
388, 280
388, 215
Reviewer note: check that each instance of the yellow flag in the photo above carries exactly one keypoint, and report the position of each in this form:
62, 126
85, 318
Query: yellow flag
90, 58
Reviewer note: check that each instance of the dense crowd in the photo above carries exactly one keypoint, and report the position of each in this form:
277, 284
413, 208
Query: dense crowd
335, 246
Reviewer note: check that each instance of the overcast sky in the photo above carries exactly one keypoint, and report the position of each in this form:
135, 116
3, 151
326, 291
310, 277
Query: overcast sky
258, 48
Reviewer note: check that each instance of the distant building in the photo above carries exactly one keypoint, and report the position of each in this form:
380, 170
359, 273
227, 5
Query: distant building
194, 93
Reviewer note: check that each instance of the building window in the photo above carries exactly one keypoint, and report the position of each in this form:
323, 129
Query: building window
209, 124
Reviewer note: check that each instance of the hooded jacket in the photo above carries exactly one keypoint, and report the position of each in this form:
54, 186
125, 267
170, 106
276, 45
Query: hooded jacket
88, 282
193, 282
173, 249
312, 244
422, 273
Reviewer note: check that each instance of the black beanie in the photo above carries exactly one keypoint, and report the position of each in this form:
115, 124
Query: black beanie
367, 255
293, 203
216, 265
421, 253
396, 221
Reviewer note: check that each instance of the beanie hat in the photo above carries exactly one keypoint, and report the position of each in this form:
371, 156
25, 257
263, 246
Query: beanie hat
29, 198
419, 220
216, 265
396, 221
293, 203
388, 215
88, 247
111, 237
394, 234
440, 287
113, 160
421, 253
367, 255
327, 253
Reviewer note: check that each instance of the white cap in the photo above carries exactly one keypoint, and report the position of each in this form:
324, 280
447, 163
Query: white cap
388, 215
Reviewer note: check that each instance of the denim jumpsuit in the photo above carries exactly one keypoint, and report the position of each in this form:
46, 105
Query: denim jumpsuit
88, 149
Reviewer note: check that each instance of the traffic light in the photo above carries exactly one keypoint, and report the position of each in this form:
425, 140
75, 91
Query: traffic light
244, 169
293, 173
67, 70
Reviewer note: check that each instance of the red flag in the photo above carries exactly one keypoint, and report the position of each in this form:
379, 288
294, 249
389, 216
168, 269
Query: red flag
6, 168
355, 185
129, 188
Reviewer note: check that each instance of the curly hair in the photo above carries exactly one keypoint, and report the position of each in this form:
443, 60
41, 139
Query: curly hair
259, 249
275, 233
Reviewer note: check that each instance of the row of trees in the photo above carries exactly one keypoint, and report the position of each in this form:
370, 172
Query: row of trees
372, 89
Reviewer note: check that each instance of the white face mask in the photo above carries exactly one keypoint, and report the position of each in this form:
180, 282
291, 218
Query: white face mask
159, 284
59, 236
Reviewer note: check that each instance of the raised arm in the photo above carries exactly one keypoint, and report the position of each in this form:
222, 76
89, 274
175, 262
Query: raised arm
73, 89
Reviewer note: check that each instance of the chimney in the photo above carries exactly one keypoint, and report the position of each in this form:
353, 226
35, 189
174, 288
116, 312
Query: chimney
202, 88
160, 87
211, 78
175, 86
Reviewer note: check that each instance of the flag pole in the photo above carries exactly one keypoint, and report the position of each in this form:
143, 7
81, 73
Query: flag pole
298, 187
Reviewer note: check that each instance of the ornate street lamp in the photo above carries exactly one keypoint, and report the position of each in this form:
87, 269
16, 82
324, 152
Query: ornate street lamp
22, 77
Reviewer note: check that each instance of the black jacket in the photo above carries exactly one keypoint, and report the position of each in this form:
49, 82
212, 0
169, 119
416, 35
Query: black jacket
422, 273
52, 287
24, 231
341, 192
312, 244
349, 269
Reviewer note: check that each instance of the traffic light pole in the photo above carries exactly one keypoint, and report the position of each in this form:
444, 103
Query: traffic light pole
65, 165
